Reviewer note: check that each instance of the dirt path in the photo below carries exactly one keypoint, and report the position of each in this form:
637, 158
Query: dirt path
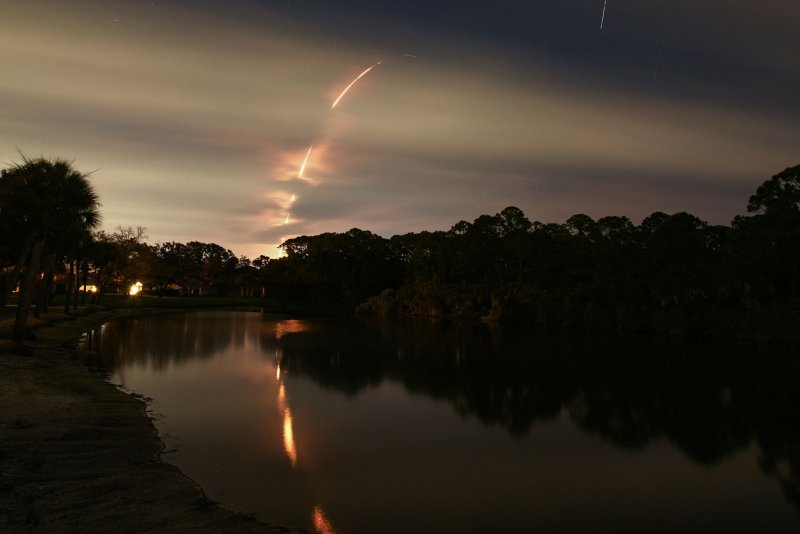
78, 455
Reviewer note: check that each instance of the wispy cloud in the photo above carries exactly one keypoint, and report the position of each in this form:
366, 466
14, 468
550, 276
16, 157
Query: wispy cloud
198, 124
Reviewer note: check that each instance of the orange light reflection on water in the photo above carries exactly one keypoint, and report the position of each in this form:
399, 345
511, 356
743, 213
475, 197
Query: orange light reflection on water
282, 399
321, 523
288, 437
288, 425
291, 326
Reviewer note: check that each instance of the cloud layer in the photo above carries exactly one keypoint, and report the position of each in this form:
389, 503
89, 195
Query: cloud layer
196, 119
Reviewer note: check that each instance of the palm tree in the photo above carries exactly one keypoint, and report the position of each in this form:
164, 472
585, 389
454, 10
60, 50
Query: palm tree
17, 240
49, 201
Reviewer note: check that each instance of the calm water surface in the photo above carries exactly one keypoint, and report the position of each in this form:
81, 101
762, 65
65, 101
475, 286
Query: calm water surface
422, 427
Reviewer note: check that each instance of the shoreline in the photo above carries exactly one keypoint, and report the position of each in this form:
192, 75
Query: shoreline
78, 454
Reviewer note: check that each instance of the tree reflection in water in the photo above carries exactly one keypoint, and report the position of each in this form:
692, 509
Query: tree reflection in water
167, 339
709, 399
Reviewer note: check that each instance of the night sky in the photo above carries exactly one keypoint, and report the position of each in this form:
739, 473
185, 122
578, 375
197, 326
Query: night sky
195, 116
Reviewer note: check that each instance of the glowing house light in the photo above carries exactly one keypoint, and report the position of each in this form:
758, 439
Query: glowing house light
135, 289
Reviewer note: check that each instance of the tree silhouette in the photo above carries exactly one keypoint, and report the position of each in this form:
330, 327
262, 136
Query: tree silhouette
779, 194
768, 241
672, 273
49, 201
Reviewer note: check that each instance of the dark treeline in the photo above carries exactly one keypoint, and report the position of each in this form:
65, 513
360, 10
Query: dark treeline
671, 273
171, 269
49, 244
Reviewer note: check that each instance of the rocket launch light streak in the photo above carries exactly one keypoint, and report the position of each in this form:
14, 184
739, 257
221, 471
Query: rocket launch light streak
302, 169
303, 166
354, 82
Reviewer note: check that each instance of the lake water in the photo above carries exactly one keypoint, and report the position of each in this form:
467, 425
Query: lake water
437, 427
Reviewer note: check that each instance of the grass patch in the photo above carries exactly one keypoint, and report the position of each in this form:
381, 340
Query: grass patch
6, 345
117, 302
55, 317
7, 323
148, 301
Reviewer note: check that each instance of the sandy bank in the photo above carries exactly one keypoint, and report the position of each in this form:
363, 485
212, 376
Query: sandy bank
78, 455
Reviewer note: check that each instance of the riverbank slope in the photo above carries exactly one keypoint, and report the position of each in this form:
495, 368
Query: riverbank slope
79, 455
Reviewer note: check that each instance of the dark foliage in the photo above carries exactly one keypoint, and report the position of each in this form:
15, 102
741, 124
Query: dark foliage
673, 273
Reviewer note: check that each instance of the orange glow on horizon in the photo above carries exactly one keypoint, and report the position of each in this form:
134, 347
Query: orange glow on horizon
281, 252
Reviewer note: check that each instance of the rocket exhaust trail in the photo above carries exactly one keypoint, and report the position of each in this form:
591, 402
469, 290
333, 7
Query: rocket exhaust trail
303, 166
302, 169
354, 82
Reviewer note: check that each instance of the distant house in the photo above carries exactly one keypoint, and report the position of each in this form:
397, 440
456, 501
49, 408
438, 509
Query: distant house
60, 284
195, 288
